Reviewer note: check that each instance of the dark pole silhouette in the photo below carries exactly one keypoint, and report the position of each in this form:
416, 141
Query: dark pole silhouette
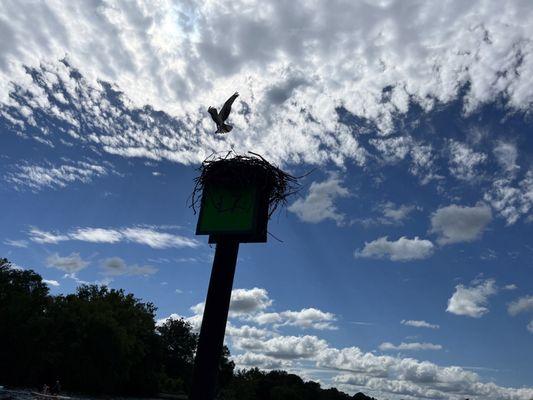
214, 320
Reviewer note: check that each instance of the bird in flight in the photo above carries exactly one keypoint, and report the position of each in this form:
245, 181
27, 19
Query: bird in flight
220, 117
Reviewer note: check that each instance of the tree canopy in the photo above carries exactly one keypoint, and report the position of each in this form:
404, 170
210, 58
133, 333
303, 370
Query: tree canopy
105, 341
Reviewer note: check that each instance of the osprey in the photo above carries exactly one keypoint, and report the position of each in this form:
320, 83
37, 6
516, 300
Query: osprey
220, 117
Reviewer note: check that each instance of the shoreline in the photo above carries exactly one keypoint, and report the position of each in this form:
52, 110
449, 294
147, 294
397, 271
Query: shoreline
28, 393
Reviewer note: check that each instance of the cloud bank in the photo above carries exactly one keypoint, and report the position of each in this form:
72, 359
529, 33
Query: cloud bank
351, 369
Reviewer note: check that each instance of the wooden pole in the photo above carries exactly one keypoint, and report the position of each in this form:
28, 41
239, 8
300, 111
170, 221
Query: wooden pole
213, 328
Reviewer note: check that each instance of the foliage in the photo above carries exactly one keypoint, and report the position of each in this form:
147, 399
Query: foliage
104, 341
179, 345
254, 384
24, 302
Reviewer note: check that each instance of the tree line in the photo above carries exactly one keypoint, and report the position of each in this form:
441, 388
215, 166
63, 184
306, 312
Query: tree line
105, 341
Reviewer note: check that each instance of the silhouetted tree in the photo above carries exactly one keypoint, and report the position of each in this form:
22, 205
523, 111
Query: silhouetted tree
254, 384
178, 344
24, 301
101, 340
362, 396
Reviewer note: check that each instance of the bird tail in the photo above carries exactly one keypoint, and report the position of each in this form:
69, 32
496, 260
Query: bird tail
224, 128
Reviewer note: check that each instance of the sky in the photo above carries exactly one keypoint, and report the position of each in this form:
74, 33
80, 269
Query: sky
402, 268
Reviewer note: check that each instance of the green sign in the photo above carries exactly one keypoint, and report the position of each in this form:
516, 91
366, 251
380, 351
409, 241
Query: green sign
228, 211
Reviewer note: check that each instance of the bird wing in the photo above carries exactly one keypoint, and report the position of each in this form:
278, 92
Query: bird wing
226, 108
214, 114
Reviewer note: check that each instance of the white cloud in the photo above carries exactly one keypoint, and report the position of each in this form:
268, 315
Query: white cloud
149, 237
419, 324
390, 214
472, 301
309, 318
409, 377
246, 301
250, 305
455, 224
319, 203
115, 266
243, 302
305, 318
16, 243
523, 304
386, 387
37, 177
157, 240
265, 318
249, 359
511, 197
38, 236
96, 235
284, 347
396, 214
506, 155
464, 162
413, 346
51, 282
381, 374
403, 249
293, 72
246, 331
70, 264
195, 321
530, 326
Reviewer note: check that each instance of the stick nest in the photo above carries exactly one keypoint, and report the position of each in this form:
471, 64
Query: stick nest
242, 170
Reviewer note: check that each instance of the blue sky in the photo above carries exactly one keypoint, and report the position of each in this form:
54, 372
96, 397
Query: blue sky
405, 264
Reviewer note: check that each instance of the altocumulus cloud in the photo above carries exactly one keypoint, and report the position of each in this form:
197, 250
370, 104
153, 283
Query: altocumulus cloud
403, 249
512, 196
145, 64
294, 84
464, 163
37, 177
